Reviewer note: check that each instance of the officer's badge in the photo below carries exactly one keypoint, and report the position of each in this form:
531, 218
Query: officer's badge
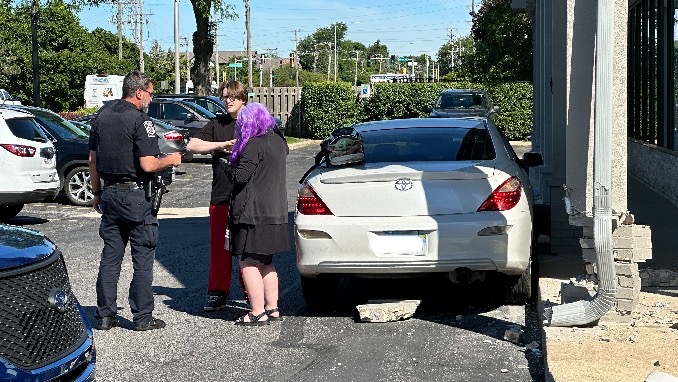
150, 129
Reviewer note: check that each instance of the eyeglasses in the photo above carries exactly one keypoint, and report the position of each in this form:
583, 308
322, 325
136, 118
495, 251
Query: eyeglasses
228, 98
149, 93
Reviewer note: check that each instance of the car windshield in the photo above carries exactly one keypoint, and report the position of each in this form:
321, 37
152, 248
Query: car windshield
58, 126
461, 101
427, 144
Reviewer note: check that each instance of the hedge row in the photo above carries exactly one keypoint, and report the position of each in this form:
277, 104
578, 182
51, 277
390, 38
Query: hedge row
329, 105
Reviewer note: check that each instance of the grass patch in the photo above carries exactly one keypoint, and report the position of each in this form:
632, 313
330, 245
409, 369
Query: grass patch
291, 140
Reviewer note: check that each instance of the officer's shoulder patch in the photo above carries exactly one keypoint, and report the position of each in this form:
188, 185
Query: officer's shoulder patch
150, 129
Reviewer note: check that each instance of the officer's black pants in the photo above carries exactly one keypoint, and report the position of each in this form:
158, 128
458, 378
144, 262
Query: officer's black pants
126, 218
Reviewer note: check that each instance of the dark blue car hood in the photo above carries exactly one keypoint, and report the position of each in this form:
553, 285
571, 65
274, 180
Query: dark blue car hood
21, 246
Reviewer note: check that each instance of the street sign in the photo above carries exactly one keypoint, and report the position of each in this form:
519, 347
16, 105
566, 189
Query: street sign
403, 59
235, 65
364, 90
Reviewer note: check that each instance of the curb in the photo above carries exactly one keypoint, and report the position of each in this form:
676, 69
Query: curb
548, 377
299, 145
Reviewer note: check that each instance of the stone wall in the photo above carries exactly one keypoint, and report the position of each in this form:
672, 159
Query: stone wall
655, 166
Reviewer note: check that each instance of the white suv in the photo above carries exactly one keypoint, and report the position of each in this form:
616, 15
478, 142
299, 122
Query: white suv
27, 163
7, 99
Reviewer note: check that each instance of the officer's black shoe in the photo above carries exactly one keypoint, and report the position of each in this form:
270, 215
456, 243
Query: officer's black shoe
154, 323
106, 323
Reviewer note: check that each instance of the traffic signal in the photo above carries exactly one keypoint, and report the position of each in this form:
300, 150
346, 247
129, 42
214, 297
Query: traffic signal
292, 60
393, 58
369, 60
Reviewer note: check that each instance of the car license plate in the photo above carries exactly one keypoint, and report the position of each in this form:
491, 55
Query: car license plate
389, 243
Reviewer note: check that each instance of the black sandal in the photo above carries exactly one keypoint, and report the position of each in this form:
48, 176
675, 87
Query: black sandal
273, 318
254, 320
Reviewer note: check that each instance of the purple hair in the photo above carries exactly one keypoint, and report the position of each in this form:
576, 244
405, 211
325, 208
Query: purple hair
254, 120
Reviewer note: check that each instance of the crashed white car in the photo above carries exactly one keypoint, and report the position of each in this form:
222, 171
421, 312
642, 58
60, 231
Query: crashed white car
419, 196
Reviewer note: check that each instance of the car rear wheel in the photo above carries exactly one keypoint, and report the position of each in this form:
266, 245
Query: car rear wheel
78, 188
8, 212
519, 289
319, 292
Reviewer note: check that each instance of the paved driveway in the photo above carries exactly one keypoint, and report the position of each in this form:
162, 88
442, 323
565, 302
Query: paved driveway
456, 335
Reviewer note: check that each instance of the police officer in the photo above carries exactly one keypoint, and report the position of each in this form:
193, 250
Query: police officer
124, 153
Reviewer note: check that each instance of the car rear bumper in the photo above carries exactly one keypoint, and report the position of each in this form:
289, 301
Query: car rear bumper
357, 245
35, 196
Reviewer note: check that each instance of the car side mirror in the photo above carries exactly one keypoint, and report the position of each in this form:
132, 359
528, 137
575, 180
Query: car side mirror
531, 159
190, 117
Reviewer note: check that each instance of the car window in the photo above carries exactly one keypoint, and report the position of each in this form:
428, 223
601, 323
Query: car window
174, 111
58, 125
25, 128
427, 144
201, 111
461, 101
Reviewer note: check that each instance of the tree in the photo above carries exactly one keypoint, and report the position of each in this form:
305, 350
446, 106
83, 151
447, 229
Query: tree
451, 55
203, 40
502, 49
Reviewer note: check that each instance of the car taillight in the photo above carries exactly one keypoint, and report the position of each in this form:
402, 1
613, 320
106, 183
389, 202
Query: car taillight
308, 202
505, 197
20, 150
173, 136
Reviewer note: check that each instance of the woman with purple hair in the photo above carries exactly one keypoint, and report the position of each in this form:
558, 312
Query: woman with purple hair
258, 214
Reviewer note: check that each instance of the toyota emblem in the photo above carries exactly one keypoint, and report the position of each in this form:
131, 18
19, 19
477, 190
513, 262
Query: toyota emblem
403, 184
58, 300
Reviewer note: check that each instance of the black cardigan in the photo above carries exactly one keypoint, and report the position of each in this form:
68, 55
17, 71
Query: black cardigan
259, 193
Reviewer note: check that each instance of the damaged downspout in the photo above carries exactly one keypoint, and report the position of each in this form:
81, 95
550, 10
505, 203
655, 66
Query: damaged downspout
585, 312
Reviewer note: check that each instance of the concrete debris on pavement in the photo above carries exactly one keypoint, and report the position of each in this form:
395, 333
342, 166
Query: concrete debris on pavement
387, 310
514, 334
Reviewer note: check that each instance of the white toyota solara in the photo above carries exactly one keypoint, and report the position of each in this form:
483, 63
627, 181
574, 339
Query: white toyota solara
413, 196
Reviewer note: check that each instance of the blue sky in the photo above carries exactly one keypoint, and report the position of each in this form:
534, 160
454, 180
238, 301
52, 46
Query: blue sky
412, 27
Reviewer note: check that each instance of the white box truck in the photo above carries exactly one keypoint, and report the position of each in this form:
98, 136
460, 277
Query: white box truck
100, 88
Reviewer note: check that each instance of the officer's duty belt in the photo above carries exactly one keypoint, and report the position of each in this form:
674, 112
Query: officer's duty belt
126, 185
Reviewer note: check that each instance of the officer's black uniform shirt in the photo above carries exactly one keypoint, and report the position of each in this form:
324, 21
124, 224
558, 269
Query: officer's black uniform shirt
121, 134
221, 130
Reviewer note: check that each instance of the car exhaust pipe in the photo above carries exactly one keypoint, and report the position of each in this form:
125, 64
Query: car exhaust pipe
461, 276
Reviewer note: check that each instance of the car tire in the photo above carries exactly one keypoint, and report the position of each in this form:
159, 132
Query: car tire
8, 212
519, 289
319, 292
78, 188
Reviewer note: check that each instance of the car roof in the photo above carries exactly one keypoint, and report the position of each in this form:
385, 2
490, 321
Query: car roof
464, 91
10, 111
468, 123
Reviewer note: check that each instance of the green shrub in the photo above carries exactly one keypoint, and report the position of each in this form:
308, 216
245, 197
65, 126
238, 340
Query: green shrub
327, 106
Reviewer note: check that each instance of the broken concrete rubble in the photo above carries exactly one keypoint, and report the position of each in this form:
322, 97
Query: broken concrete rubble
387, 310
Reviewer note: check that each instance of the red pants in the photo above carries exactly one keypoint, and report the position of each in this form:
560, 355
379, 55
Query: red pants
219, 278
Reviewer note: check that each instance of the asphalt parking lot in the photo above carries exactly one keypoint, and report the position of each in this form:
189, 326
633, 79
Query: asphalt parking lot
456, 335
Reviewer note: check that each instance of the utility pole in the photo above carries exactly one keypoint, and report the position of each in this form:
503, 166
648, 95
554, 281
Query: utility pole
177, 71
188, 63
34, 55
335, 52
248, 12
119, 30
426, 56
216, 51
141, 35
355, 79
296, 55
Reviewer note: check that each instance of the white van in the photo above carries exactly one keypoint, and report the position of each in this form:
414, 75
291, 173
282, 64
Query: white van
100, 88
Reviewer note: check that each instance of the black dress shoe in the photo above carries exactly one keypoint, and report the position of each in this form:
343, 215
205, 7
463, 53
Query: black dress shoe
106, 323
154, 323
